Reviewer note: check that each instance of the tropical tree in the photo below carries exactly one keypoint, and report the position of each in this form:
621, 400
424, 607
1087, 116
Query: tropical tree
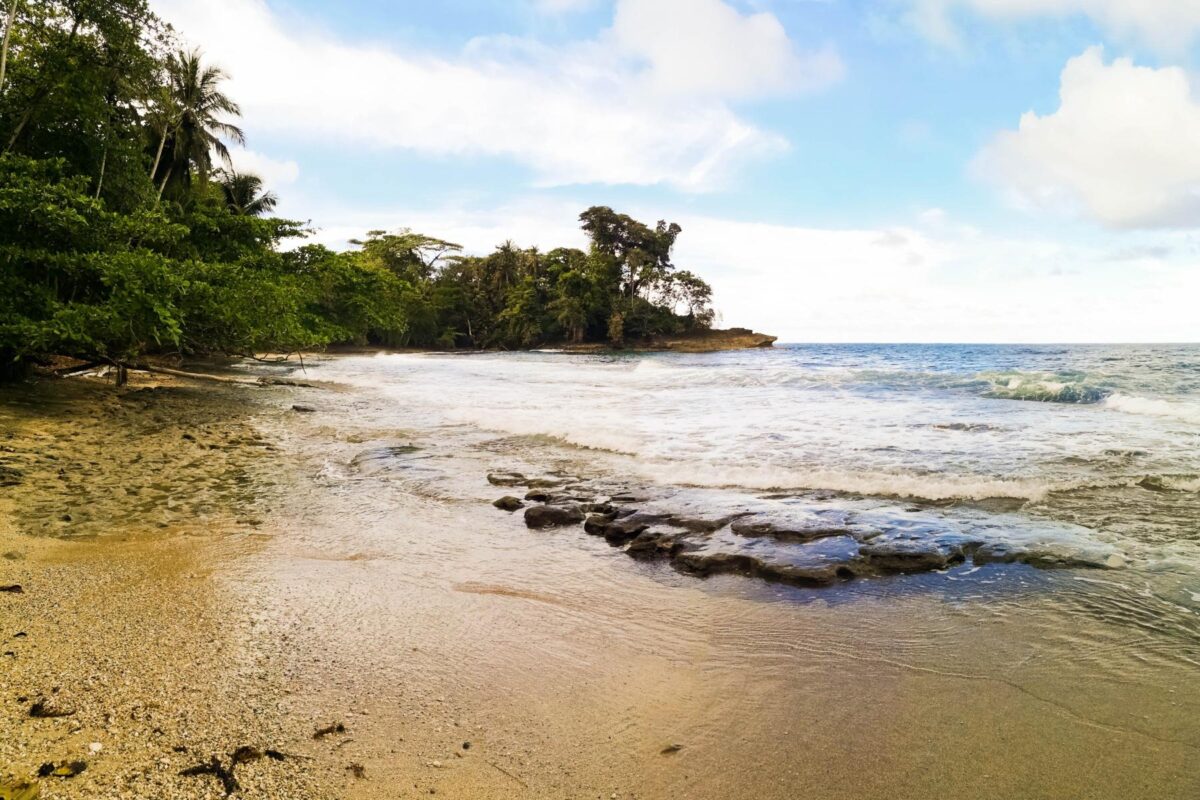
200, 129
244, 194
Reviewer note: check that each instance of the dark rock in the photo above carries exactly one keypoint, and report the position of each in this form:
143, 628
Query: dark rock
806, 527
538, 496
699, 524
911, 555
508, 503
336, 727
669, 749
12, 588
625, 529
600, 508
653, 544
553, 516
505, 478
596, 523
357, 770
303, 409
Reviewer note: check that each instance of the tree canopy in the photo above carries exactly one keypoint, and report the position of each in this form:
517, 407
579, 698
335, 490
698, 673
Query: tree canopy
126, 230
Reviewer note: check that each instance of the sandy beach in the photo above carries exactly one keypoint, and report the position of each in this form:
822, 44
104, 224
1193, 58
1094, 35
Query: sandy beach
199, 579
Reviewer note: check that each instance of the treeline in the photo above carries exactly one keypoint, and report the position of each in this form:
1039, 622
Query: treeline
124, 228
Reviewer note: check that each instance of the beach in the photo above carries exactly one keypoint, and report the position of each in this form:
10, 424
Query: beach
327, 603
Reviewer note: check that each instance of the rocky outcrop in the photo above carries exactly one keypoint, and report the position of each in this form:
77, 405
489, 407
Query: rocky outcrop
780, 538
710, 341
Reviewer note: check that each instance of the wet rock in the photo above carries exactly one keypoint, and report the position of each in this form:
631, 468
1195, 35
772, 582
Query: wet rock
596, 523
505, 478
798, 574
302, 409
600, 508
553, 516
384, 459
1046, 557
508, 503
538, 496
800, 525
653, 544
911, 555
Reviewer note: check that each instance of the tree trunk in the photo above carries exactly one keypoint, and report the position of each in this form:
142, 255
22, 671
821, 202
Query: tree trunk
103, 165
162, 142
162, 186
8, 26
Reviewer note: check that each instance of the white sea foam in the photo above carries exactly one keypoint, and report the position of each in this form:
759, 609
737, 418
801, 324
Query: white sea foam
1168, 409
924, 487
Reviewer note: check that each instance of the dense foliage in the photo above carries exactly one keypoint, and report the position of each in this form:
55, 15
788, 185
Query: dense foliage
124, 229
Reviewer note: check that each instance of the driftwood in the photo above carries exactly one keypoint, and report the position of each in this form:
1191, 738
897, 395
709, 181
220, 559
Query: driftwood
200, 376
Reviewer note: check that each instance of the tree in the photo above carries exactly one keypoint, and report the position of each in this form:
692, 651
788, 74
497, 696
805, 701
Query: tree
199, 128
244, 194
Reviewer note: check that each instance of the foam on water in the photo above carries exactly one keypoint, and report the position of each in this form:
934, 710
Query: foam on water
1109, 435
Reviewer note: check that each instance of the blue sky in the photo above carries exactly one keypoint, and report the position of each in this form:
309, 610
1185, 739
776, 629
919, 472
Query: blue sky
845, 170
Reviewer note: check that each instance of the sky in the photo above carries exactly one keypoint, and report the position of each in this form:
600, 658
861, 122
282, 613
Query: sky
843, 170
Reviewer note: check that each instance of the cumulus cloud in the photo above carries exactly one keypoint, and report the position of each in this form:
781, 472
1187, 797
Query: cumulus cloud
706, 46
608, 110
1166, 24
274, 172
1121, 147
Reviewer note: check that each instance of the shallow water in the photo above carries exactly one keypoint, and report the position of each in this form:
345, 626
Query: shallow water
401, 590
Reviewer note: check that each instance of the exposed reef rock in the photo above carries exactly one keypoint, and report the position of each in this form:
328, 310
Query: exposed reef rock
796, 540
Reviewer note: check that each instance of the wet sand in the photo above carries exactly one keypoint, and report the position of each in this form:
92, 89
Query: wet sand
254, 590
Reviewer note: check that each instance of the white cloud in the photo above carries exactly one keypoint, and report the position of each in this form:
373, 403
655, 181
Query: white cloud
1122, 146
274, 172
578, 113
932, 280
706, 46
1167, 24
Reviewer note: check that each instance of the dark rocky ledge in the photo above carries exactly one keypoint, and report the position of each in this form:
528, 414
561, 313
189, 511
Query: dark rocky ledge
795, 541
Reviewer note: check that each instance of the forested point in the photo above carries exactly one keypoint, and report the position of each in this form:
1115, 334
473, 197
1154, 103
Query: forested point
126, 231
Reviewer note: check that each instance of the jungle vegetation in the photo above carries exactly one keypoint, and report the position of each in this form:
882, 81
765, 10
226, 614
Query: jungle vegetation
125, 230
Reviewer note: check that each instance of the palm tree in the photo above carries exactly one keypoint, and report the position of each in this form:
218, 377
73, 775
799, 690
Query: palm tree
244, 194
198, 131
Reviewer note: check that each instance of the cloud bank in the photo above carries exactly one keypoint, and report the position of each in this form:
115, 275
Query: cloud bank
626, 107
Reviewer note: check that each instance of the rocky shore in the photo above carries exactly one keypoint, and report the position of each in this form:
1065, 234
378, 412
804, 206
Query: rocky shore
799, 539
710, 341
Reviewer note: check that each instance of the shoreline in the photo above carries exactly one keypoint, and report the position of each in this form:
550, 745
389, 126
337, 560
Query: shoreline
291, 590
